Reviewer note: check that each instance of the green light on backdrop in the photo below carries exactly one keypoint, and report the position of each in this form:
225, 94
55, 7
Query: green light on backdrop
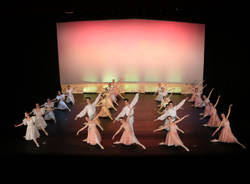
152, 77
90, 89
89, 77
109, 75
131, 76
174, 77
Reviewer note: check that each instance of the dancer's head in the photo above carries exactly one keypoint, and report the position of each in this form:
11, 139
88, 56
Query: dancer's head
68, 86
113, 80
122, 119
171, 104
48, 100
169, 118
223, 116
165, 98
126, 101
204, 97
26, 115
59, 92
88, 100
166, 107
37, 105
162, 88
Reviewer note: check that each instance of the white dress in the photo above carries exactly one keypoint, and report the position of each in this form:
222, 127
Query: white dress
49, 114
61, 104
70, 96
31, 131
39, 121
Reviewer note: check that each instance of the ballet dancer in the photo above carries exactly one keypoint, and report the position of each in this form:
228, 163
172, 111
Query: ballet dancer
90, 108
226, 134
194, 89
128, 137
39, 121
171, 111
104, 112
61, 104
172, 137
198, 102
111, 93
164, 102
94, 136
116, 89
163, 92
69, 95
49, 108
32, 132
206, 100
126, 110
214, 120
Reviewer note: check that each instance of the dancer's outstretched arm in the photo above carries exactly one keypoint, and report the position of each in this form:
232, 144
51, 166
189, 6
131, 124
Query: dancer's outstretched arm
203, 86
82, 113
161, 128
180, 104
117, 132
180, 129
229, 110
217, 101
97, 99
179, 120
81, 129
210, 93
18, 125
135, 100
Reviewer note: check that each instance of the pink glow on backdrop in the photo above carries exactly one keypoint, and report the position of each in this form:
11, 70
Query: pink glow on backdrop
169, 51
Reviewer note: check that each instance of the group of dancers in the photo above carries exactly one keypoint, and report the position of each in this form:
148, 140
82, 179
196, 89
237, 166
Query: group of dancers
107, 99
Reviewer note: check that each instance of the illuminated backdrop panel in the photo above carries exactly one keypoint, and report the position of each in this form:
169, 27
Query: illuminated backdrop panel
134, 50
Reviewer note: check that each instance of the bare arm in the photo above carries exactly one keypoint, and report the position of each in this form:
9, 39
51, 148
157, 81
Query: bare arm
135, 100
210, 93
179, 129
229, 111
97, 99
99, 126
82, 129
18, 125
161, 128
217, 129
179, 120
204, 87
217, 101
82, 113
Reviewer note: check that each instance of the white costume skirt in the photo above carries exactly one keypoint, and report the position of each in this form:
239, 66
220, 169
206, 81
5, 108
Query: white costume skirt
49, 115
40, 123
62, 105
31, 133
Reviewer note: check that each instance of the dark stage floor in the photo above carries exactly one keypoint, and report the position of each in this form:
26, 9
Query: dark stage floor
62, 139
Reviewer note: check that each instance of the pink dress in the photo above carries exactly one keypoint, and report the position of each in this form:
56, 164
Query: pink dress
172, 137
207, 109
197, 100
127, 137
214, 120
226, 134
94, 136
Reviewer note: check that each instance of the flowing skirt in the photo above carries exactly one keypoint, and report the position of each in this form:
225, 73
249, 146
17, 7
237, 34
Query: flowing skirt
70, 98
31, 133
207, 110
94, 136
62, 105
40, 123
173, 138
198, 102
49, 115
227, 136
104, 112
214, 121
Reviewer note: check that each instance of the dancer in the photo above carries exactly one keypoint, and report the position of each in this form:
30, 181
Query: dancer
226, 134
198, 103
111, 93
171, 111
61, 104
90, 108
214, 120
32, 132
39, 121
172, 137
194, 89
206, 101
128, 137
126, 110
49, 108
163, 92
104, 112
164, 102
69, 95
116, 89
94, 136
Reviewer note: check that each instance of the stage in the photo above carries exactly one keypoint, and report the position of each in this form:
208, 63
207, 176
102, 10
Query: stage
62, 139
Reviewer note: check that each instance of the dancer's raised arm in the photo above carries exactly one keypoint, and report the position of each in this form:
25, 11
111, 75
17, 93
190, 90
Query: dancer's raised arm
217, 101
229, 110
135, 100
97, 99
179, 120
180, 104
210, 93
203, 86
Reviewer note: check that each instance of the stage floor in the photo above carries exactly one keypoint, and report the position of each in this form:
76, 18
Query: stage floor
62, 139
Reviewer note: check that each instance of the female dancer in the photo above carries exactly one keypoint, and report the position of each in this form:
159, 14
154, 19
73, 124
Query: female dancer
195, 88
32, 132
128, 136
214, 120
94, 136
40, 122
172, 137
206, 103
116, 89
69, 94
61, 104
104, 112
198, 103
49, 108
164, 102
226, 134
